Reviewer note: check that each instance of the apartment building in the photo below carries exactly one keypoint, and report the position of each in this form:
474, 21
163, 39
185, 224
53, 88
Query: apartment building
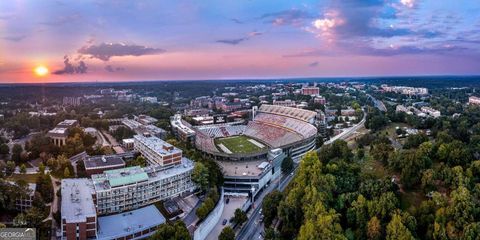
134, 187
157, 151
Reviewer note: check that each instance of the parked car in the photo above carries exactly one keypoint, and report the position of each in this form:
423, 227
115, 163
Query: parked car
224, 222
227, 201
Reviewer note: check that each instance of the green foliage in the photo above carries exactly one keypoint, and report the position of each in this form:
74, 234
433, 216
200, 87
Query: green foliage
270, 206
227, 234
122, 133
208, 205
396, 230
171, 231
239, 216
287, 165
200, 176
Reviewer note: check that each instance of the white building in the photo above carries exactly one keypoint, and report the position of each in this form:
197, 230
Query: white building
474, 100
157, 151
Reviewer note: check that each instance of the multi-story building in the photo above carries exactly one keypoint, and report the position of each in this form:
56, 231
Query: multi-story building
156, 151
431, 112
79, 217
60, 133
285, 103
98, 164
320, 100
310, 91
134, 187
182, 129
474, 100
25, 202
72, 101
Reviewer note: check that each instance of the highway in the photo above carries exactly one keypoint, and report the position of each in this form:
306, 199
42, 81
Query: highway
253, 228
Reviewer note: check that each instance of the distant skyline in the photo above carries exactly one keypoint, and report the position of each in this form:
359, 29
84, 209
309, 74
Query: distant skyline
75, 41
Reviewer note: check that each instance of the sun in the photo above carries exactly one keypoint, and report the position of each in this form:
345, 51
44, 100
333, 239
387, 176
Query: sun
41, 71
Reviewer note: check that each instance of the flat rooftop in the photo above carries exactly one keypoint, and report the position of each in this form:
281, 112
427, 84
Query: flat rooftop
67, 122
58, 131
157, 145
243, 168
129, 175
104, 161
77, 202
122, 224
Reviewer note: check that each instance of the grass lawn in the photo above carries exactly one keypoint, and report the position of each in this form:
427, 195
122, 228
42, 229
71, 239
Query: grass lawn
375, 168
238, 144
29, 178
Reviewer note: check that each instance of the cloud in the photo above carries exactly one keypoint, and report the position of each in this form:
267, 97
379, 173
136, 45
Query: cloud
235, 41
61, 20
15, 38
287, 17
313, 64
110, 68
70, 68
408, 3
105, 51
236, 20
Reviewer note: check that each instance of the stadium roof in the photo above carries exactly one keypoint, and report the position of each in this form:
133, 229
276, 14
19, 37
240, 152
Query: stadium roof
301, 114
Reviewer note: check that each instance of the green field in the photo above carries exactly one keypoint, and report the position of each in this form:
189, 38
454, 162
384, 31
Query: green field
237, 144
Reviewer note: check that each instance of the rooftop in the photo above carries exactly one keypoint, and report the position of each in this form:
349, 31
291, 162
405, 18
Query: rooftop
77, 202
243, 168
129, 175
157, 145
119, 225
58, 130
103, 161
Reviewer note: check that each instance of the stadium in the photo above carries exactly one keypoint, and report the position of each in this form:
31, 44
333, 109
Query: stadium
272, 127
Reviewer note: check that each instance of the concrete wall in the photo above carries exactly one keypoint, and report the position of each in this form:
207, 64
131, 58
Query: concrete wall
209, 223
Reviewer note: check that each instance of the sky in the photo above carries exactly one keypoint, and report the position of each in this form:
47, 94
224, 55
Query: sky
95, 40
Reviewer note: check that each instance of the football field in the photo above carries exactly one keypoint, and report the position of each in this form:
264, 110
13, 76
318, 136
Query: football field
238, 144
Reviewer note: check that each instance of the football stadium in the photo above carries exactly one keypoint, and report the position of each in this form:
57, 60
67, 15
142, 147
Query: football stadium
272, 127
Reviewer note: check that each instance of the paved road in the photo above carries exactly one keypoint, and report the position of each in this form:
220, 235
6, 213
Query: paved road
253, 229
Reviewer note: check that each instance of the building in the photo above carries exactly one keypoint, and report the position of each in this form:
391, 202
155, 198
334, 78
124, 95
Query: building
72, 101
431, 112
134, 187
312, 91
60, 133
145, 120
149, 99
320, 100
156, 151
99, 164
285, 103
405, 90
152, 130
79, 217
25, 202
182, 129
128, 143
474, 100
90, 131
136, 224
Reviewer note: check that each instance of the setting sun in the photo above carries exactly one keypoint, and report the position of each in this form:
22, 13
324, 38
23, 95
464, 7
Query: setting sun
41, 71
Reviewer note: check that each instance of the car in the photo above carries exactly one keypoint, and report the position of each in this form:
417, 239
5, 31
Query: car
224, 222
227, 201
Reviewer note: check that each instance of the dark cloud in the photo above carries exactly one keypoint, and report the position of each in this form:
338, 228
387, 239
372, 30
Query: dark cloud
105, 51
110, 68
232, 41
313, 64
70, 68
236, 20
15, 38
287, 17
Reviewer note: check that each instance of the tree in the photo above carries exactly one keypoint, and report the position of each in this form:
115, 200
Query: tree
66, 173
17, 153
171, 231
239, 216
381, 152
10, 168
200, 176
41, 168
374, 229
23, 169
4, 149
227, 234
270, 206
397, 231
287, 165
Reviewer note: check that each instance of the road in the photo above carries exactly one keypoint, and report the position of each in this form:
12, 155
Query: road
254, 229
